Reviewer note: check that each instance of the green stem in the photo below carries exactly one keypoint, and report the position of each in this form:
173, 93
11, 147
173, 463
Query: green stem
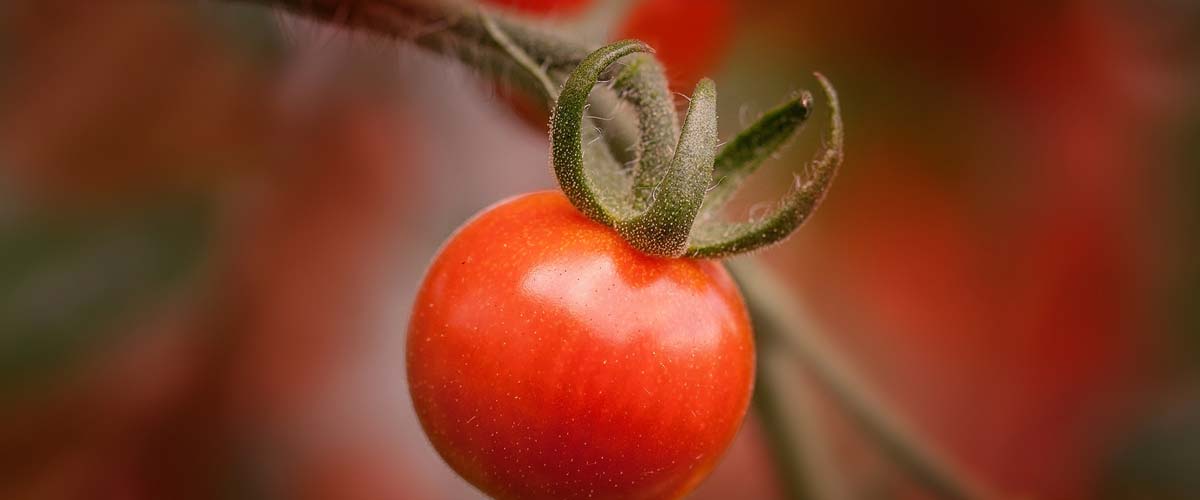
773, 310
523, 59
455, 29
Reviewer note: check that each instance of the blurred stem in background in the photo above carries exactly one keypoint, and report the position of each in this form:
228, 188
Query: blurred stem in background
1158, 459
778, 323
466, 37
1187, 293
800, 445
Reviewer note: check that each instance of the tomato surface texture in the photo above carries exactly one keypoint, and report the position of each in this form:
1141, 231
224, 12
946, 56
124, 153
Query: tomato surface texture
548, 359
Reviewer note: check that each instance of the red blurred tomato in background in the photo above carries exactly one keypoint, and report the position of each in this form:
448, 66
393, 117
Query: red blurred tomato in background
1001, 300
1025, 338
689, 37
81, 123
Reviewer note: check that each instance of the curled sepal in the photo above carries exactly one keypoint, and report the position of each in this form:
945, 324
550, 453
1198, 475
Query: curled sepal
717, 239
746, 152
600, 203
664, 226
643, 83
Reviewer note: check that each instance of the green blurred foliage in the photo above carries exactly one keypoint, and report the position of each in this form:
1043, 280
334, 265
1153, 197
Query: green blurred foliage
71, 282
1159, 459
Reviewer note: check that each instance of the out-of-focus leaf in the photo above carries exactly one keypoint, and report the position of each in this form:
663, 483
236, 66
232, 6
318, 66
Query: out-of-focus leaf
255, 31
71, 282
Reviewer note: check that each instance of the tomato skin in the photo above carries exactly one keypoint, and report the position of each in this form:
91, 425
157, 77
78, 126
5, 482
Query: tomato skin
549, 359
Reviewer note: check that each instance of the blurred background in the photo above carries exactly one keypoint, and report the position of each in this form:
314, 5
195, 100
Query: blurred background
214, 216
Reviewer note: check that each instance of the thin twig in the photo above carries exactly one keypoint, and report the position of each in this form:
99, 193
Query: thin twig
522, 58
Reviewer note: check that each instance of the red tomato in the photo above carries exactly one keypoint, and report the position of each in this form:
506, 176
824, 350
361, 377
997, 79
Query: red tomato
549, 359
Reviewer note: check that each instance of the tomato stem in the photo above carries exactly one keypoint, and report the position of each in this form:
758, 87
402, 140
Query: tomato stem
521, 58
657, 217
454, 29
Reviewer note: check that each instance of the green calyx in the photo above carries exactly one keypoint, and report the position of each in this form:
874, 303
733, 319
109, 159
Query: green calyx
668, 202
653, 207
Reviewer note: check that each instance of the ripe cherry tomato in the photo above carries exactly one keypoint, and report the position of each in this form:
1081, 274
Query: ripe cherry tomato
549, 359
